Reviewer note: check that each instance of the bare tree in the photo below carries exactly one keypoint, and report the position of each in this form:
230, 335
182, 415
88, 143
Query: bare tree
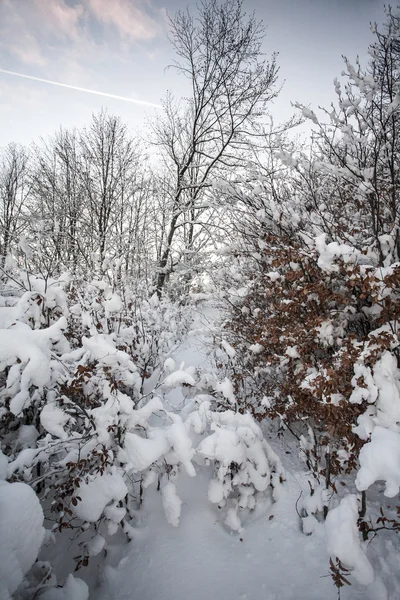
14, 188
58, 197
110, 161
219, 51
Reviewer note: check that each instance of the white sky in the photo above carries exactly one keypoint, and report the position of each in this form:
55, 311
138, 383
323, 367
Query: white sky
120, 47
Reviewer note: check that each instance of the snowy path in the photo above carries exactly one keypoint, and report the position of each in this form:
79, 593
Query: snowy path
201, 560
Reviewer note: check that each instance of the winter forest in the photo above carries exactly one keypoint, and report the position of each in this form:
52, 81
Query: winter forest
199, 349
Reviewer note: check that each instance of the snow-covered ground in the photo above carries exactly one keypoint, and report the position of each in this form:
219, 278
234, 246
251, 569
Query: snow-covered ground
201, 560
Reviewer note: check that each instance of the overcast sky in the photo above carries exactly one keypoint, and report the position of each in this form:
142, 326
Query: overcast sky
119, 47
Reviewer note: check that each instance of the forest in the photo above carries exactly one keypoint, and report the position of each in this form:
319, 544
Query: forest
214, 303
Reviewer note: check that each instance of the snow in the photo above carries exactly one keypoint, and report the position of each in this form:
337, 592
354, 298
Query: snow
386, 379
177, 378
21, 534
97, 493
223, 445
325, 333
3, 466
141, 452
380, 461
113, 304
74, 589
27, 436
328, 253
344, 539
141, 416
231, 352
273, 275
169, 364
270, 559
219, 515
292, 352
226, 389
256, 348
171, 503
96, 545
52, 419
32, 349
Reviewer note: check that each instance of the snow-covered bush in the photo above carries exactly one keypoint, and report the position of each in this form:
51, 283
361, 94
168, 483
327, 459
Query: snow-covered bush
316, 349
87, 420
77, 361
246, 469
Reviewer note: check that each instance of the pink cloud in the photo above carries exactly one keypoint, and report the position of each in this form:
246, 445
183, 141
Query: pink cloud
15, 37
59, 18
27, 50
127, 16
58, 33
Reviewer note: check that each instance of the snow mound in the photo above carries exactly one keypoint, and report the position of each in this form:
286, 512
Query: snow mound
74, 589
21, 534
344, 539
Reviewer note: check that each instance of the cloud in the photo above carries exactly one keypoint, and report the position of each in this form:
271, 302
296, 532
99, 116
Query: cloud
27, 50
127, 16
31, 29
83, 43
59, 18
15, 37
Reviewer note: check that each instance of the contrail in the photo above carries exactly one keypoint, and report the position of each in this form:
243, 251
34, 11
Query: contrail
79, 89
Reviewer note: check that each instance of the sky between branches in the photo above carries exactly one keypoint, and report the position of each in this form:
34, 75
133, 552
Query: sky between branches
119, 47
